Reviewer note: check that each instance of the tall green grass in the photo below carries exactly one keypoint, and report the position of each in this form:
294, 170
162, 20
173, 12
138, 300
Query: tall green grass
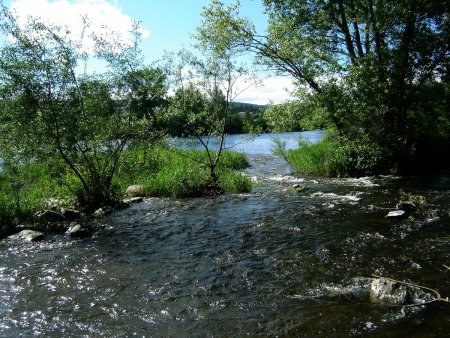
26, 189
167, 172
321, 159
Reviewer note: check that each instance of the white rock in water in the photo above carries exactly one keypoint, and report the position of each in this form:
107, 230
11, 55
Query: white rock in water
390, 292
396, 214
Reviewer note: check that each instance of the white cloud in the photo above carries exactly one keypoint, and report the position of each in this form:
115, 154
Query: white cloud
104, 17
276, 89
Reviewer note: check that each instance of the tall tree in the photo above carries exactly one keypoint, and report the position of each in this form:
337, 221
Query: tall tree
371, 64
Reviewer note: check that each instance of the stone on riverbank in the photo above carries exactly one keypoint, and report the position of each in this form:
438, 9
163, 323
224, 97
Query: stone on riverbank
134, 190
28, 236
134, 200
49, 216
71, 214
35, 227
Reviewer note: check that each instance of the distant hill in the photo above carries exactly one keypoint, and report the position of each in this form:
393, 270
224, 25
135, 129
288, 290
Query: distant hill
248, 107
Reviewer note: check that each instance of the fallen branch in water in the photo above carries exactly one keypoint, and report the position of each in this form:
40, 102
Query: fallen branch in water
438, 297
445, 266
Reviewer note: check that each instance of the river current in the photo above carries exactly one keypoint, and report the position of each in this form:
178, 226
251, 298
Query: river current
275, 262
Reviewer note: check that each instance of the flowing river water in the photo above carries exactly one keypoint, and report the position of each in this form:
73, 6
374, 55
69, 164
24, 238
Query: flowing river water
271, 263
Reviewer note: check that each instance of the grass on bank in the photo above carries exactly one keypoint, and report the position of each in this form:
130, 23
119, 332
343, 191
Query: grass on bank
322, 159
24, 190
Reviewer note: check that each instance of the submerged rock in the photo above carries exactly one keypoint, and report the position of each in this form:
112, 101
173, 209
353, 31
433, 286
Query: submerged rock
28, 235
407, 206
396, 214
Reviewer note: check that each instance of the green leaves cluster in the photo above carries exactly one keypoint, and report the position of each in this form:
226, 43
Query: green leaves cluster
49, 108
376, 71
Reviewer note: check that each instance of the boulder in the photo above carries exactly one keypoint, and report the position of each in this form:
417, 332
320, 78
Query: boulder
48, 216
57, 227
388, 291
28, 235
135, 190
78, 231
396, 214
71, 214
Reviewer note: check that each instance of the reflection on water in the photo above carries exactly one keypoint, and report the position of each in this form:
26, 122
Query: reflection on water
274, 262
253, 144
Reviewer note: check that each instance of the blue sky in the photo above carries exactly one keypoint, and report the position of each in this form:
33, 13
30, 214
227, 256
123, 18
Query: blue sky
167, 26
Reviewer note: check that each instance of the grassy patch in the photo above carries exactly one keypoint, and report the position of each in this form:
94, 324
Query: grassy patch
180, 173
25, 190
322, 159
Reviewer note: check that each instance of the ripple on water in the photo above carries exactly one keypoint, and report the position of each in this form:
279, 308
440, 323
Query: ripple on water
265, 263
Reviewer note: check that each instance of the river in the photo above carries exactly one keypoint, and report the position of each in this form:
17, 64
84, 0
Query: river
271, 263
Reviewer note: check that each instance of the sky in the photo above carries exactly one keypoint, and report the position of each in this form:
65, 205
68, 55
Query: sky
166, 25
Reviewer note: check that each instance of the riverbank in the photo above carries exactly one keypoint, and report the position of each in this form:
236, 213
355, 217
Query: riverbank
154, 171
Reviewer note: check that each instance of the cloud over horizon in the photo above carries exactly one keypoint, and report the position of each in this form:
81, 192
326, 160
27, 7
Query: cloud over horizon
104, 17
275, 89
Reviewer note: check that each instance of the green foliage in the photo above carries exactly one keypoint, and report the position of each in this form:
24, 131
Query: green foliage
179, 173
26, 189
297, 115
376, 74
235, 182
317, 159
46, 108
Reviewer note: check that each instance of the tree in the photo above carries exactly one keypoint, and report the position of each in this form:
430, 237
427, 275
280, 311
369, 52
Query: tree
369, 64
220, 71
50, 109
144, 91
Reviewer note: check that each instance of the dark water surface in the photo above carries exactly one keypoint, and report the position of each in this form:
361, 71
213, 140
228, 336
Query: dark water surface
273, 262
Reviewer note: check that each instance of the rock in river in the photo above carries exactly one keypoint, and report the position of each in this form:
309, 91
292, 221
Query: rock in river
28, 235
387, 291
78, 231
396, 214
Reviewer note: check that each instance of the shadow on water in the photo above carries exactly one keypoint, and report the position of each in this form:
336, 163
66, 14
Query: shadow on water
274, 262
